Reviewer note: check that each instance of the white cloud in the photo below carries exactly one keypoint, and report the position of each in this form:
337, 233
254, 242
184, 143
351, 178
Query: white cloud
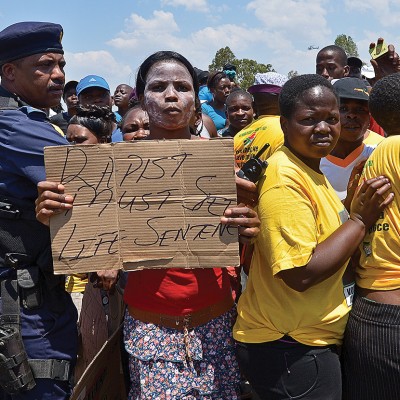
364, 5
161, 22
290, 27
300, 19
270, 42
138, 30
100, 63
190, 5
387, 12
199, 47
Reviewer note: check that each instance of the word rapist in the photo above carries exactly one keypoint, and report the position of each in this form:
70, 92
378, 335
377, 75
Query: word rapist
144, 205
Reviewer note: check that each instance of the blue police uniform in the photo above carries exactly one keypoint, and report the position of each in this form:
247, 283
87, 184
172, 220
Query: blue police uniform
47, 333
32, 297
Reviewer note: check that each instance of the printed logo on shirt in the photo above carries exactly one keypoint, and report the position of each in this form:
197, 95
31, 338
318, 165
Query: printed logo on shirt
348, 291
246, 132
249, 139
367, 248
379, 227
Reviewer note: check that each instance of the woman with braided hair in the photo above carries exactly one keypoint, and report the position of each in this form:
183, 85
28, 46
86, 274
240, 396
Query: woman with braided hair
92, 124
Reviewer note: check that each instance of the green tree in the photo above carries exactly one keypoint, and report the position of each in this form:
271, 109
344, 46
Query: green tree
245, 68
222, 56
347, 44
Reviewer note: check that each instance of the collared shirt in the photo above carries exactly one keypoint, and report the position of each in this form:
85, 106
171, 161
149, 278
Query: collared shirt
24, 132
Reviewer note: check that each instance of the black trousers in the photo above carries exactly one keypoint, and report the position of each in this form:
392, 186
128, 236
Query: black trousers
278, 370
371, 352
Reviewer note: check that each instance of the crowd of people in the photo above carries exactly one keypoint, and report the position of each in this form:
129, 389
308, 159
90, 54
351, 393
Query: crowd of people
313, 310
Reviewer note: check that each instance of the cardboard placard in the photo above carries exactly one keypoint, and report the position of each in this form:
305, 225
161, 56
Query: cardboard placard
103, 378
147, 204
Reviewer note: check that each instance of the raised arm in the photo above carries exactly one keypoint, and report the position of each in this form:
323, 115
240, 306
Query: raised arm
388, 63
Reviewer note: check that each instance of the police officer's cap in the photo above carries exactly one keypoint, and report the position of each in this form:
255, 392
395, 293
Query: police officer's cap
24, 39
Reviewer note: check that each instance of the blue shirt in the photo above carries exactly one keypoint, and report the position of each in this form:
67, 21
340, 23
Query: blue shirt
118, 116
117, 136
24, 132
218, 117
205, 94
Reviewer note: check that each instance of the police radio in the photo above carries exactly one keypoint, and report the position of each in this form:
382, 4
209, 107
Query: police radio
253, 169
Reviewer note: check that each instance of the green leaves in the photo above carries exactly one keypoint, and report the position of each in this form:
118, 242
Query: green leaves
347, 44
246, 68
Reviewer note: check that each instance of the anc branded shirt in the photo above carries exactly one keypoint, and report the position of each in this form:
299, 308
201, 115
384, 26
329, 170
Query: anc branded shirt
298, 209
264, 133
380, 250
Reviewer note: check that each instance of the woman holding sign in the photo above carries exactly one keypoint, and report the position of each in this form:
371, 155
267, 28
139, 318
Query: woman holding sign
179, 321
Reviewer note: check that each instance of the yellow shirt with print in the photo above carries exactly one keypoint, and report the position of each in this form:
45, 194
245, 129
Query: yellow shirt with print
380, 250
264, 133
298, 209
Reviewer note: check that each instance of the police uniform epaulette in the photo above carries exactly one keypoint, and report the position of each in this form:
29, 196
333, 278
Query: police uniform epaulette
9, 101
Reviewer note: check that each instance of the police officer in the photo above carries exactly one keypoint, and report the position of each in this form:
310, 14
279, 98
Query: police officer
33, 302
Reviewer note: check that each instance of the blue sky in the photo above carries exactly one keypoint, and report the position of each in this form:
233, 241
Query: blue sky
112, 38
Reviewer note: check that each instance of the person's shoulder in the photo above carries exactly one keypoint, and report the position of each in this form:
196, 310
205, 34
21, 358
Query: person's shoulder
384, 159
281, 171
15, 117
261, 124
287, 164
60, 117
372, 138
33, 124
33, 114
249, 129
225, 133
390, 144
206, 106
282, 155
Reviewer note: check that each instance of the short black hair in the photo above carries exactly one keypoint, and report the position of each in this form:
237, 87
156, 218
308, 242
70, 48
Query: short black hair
342, 56
214, 78
384, 102
163, 56
237, 92
99, 120
293, 90
69, 85
229, 66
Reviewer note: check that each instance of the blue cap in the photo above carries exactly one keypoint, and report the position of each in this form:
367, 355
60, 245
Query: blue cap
24, 39
91, 81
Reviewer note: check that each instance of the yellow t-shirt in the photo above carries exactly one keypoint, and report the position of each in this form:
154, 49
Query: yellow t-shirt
298, 209
380, 249
250, 140
372, 138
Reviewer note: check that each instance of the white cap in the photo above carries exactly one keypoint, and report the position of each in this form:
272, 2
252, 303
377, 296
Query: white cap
368, 71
